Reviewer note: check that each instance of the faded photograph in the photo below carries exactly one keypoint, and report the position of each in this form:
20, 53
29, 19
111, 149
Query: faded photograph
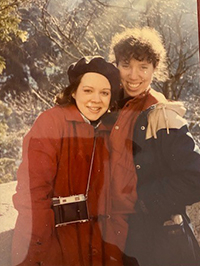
99, 133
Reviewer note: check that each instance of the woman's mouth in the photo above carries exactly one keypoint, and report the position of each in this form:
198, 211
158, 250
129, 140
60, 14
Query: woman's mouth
94, 109
133, 85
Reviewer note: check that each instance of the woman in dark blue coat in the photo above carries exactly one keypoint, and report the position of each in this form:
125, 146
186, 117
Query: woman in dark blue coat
157, 164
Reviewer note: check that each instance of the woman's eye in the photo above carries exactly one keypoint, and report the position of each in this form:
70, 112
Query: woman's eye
125, 65
87, 90
105, 93
144, 67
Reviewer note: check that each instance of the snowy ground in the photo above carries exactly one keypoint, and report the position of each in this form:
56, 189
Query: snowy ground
194, 214
8, 214
8, 217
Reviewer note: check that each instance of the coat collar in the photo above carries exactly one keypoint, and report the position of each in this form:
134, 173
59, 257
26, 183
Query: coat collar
72, 114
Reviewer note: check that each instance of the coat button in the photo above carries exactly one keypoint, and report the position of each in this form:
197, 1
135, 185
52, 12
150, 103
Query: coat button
116, 127
118, 232
38, 242
142, 127
94, 251
138, 166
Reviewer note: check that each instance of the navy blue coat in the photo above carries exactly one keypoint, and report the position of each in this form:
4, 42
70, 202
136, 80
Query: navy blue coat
168, 168
167, 163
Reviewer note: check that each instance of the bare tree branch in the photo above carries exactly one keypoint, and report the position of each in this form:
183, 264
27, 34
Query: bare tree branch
40, 97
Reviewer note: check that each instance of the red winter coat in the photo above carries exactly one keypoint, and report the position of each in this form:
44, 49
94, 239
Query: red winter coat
123, 169
56, 160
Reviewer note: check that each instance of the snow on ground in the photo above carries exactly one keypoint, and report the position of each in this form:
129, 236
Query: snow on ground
8, 214
8, 217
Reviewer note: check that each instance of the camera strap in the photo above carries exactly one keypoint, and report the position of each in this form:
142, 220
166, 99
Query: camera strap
74, 208
90, 170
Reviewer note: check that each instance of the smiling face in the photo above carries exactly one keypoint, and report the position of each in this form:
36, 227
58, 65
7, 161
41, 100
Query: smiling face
136, 76
93, 95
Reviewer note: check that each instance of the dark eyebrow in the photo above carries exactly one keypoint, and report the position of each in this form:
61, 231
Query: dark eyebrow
144, 63
88, 86
107, 89
93, 88
125, 61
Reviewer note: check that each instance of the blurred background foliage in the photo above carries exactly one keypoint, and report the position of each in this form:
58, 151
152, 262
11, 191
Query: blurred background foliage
40, 38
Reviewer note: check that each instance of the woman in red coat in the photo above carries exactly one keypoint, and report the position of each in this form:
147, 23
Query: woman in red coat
65, 152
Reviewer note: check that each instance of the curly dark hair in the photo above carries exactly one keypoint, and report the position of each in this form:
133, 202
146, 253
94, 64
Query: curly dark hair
141, 44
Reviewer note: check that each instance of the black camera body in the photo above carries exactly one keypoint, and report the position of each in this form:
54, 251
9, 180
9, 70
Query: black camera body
70, 209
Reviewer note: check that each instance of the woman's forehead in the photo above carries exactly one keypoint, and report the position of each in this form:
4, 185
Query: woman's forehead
92, 79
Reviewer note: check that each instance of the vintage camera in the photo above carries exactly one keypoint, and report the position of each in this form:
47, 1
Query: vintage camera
70, 209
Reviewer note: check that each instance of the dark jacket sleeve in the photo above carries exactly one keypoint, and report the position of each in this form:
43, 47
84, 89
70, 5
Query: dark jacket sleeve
35, 223
173, 181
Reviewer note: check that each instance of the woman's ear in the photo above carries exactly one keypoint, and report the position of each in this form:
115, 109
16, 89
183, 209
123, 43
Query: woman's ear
74, 95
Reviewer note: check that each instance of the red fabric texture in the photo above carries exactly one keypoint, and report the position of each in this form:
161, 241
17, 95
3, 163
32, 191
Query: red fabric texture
56, 160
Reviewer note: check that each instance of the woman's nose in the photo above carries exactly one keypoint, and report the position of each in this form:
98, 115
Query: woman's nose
96, 97
133, 73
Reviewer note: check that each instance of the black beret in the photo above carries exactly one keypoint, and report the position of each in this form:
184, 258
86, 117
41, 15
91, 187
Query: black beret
97, 65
